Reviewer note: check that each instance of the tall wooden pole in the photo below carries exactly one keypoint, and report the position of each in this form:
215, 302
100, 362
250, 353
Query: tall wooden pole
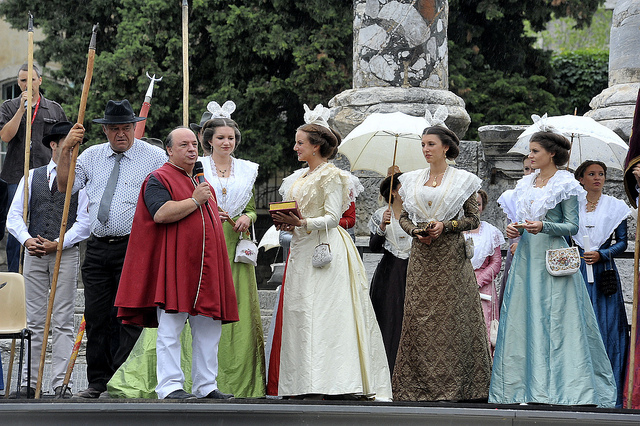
67, 202
27, 156
185, 63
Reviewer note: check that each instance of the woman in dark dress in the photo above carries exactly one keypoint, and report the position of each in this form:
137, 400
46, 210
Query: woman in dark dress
604, 218
389, 278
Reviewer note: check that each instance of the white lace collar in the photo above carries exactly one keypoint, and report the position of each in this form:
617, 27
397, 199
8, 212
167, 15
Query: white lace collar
533, 203
351, 184
484, 243
444, 202
600, 223
233, 193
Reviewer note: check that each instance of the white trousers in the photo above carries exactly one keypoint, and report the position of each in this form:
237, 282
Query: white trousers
38, 273
205, 333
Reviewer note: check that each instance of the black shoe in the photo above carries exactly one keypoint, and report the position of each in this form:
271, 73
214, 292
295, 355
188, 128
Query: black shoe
60, 395
180, 394
89, 393
216, 394
23, 393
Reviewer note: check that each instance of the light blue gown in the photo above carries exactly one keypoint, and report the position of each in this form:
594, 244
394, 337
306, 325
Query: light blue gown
549, 349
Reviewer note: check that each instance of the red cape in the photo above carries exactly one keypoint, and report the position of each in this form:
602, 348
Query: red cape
181, 266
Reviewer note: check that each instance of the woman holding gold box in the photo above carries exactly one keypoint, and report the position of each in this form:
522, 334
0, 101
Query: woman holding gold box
327, 343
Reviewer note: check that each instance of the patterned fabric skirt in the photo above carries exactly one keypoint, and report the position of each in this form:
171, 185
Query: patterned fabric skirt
443, 353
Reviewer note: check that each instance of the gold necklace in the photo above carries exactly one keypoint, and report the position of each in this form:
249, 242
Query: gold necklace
224, 189
435, 178
591, 205
543, 181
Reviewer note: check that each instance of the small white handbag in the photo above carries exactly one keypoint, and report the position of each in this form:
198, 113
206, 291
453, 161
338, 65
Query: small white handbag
322, 252
247, 249
563, 261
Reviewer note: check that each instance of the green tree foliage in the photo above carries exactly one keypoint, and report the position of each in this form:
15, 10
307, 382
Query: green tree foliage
269, 56
579, 76
493, 64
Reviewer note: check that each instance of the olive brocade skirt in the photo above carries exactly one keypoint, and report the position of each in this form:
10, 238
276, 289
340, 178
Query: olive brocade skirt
443, 352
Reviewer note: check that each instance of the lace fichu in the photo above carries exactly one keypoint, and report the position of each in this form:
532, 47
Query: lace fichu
533, 203
310, 195
426, 204
223, 111
485, 242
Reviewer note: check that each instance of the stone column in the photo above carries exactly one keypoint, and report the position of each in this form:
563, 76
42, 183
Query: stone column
614, 107
401, 44
400, 63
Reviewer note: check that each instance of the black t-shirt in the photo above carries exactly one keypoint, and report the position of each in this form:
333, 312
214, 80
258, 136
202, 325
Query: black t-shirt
155, 195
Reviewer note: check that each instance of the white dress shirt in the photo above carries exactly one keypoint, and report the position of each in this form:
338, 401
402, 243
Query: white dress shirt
16, 226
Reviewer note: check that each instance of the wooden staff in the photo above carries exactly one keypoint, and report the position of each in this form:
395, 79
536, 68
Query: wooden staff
634, 317
67, 202
74, 355
27, 156
185, 63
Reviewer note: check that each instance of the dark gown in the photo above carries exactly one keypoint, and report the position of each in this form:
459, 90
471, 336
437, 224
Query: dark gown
387, 296
609, 310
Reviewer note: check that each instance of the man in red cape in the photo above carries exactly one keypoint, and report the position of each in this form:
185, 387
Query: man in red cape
176, 268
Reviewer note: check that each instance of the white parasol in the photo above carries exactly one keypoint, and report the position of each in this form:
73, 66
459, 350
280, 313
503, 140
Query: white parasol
589, 139
386, 139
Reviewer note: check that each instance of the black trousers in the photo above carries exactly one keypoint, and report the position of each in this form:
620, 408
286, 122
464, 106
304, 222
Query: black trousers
108, 340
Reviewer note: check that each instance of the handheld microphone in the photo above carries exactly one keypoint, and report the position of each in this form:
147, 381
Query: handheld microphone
198, 171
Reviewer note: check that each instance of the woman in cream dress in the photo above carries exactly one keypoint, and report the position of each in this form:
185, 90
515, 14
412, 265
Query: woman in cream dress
326, 341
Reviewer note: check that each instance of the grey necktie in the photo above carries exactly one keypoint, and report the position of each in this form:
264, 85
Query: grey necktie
107, 196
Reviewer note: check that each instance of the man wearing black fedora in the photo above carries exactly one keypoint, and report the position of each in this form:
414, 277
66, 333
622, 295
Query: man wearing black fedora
112, 173
40, 240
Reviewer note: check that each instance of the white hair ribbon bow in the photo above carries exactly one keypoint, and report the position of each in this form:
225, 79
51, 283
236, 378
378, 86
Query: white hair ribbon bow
223, 111
319, 115
438, 118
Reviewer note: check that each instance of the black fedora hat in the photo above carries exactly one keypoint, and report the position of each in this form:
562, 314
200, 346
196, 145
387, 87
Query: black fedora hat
58, 130
118, 112
206, 116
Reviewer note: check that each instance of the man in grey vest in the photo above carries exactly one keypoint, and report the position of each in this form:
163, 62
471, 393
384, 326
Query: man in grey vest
40, 240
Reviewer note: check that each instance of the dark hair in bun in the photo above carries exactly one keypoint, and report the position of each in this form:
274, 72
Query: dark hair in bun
447, 137
386, 183
327, 139
555, 144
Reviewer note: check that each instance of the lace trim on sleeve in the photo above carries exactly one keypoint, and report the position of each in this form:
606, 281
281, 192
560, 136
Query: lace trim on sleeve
508, 205
376, 220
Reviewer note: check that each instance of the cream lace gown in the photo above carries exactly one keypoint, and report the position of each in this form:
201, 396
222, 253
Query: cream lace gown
330, 342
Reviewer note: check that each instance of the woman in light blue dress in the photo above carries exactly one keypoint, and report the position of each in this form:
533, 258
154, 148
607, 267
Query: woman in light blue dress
549, 349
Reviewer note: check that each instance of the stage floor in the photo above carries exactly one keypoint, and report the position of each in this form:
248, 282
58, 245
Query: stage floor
126, 412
